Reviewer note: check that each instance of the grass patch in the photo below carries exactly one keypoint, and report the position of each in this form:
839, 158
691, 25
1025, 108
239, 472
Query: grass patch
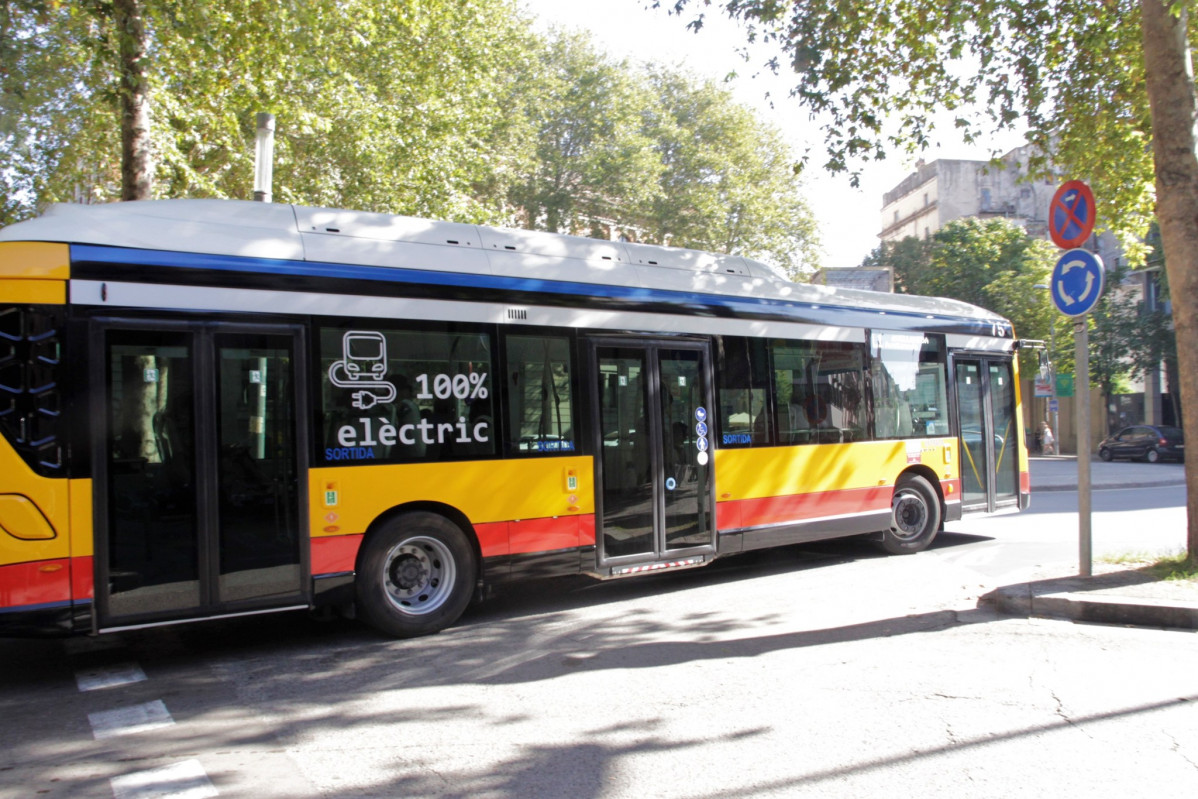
1169, 567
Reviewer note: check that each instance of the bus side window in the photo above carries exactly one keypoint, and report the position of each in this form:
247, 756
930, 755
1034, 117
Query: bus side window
910, 392
819, 391
395, 394
541, 409
745, 417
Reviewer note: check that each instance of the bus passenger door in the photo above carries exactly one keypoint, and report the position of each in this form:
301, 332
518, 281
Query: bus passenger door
654, 480
985, 391
198, 464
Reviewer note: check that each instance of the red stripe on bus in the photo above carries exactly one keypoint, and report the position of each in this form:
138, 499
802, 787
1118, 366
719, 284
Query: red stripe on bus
1025, 483
83, 583
535, 535
339, 553
801, 507
335, 554
37, 583
547, 535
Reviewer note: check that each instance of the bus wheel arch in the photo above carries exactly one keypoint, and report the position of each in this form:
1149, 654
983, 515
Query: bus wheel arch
417, 570
916, 513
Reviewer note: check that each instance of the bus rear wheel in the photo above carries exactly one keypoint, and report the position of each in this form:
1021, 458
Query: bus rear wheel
914, 516
415, 575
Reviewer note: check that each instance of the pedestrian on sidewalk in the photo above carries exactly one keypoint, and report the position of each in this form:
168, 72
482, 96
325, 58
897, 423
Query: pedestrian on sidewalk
1046, 440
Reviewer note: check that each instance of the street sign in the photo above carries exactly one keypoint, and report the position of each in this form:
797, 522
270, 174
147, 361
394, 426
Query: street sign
1043, 387
1065, 385
1054, 405
1076, 282
1071, 215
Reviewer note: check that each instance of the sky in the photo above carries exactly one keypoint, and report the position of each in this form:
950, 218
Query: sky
848, 218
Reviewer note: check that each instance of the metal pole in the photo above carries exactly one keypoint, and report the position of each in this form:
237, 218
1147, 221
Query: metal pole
1056, 404
264, 154
1082, 397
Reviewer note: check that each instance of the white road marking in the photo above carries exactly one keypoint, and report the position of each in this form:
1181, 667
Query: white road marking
186, 780
130, 720
109, 676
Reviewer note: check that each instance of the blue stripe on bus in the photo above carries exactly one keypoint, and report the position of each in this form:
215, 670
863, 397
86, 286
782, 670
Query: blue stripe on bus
56, 605
736, 305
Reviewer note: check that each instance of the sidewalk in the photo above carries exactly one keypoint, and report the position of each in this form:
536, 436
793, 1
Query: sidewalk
1114, 594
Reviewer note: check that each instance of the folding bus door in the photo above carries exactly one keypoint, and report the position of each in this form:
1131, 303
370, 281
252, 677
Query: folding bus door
199, 470
653, 454
987, 425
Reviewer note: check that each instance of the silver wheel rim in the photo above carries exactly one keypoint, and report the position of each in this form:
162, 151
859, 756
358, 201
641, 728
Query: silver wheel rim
419, 574
908, 515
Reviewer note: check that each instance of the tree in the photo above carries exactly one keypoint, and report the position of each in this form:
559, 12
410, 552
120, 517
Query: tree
727, 182
658, 155
1095, 81
380, 106
592, 155
1114, 331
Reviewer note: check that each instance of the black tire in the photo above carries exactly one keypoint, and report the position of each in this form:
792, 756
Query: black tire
416, 575
1105, 454
1152, 456
914, 516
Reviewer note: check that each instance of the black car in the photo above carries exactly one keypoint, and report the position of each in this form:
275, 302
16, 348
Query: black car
1145, 442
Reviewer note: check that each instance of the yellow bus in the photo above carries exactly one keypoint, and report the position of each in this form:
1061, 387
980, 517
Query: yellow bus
212, 408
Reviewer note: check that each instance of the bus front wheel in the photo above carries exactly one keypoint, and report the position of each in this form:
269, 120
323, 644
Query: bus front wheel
914, 516
416, 575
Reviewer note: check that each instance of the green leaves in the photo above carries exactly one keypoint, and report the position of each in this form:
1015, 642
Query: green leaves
882, 73
437, 108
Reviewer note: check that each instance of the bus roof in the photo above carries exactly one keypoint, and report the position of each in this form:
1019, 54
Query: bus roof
297, 233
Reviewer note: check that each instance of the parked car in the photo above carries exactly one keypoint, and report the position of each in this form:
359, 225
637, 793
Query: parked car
1145, 442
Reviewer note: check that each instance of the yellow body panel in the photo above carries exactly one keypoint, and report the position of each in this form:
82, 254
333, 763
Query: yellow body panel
35, 260
82, 540
20, 518
51, 498
1024, 464
33, 292
347, 499
780, 471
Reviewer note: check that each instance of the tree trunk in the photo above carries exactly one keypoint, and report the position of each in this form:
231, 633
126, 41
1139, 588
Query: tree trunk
1171, 95
137, 163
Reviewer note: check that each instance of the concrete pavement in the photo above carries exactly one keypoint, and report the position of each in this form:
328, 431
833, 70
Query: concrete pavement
1118, 596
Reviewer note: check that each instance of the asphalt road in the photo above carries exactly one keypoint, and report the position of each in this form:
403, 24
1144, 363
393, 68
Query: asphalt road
826, 670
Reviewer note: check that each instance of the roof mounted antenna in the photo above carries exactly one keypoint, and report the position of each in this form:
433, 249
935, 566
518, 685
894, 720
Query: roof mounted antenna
264, 154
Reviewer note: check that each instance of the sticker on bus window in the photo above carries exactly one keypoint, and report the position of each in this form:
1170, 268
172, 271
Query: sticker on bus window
362, 367
700, 414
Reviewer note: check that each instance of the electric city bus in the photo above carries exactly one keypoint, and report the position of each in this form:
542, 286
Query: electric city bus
213, 408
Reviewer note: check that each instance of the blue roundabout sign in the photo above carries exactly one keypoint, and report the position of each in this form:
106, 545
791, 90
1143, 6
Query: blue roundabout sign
1077, 281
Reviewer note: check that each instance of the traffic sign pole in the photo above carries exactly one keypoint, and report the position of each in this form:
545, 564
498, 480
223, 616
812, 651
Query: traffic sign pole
1081, 397
1076, 285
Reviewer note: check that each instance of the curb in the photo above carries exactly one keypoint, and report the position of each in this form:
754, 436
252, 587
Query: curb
1106, 487
1021, 600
